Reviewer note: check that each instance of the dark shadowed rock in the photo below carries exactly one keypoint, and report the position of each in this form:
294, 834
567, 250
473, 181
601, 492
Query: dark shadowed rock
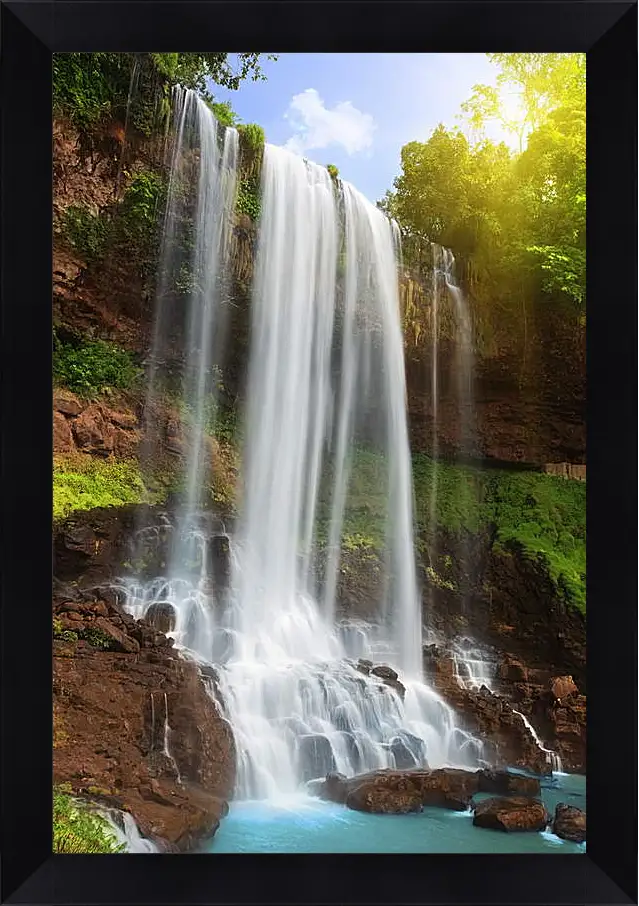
161, 616
504, 783
384, 672
511, 814
569, 823
315, 755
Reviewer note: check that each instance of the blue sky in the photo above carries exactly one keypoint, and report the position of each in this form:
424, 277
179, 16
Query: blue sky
357, 110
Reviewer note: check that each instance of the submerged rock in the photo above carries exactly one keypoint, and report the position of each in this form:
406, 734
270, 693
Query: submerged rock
569, 823
511, 814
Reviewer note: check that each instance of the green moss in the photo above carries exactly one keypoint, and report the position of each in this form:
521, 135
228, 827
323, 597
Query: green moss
79, 829
545, 517
84, 483
90, 367
542, 517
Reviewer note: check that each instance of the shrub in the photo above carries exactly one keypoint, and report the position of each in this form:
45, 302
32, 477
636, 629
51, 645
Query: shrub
82, 483
79, 829
87, 233
333, 171
89, 367
252, 139
90, 87
248, 198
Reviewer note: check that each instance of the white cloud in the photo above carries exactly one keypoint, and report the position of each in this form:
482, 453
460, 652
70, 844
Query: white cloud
315, 126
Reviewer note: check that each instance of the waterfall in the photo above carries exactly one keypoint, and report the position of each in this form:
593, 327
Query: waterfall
464, 369
551, 757
325, 422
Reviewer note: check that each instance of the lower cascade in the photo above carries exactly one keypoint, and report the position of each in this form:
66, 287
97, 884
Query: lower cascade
325, 377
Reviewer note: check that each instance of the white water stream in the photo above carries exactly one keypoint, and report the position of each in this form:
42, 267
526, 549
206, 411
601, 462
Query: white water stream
326, 378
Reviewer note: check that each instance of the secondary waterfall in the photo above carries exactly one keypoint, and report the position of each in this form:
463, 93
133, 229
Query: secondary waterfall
325, 415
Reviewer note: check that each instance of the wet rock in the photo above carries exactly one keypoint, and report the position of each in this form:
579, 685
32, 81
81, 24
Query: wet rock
505, 783
511, 814
404, 758
569, 823
384, 672
397, 686
315, 755
378, 800
364, 665
161, 616
449, 788
219, 557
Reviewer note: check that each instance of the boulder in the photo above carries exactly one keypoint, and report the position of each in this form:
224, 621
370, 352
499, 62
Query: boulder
315, 756
67, 403
569, 823
161, 616
379, 800
119, 641
504, 783
511, 814
384, 672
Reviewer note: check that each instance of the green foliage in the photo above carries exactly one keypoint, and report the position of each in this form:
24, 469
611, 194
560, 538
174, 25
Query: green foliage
83, 483
252, 139
333, 171
223, 112
79, 829
545, 517
97, 638
90, 87
542, 516
89, 367
517, 220
248, 198
86, 232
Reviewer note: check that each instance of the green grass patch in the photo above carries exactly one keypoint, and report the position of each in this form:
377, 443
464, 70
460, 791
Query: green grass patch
82, 483
79, 829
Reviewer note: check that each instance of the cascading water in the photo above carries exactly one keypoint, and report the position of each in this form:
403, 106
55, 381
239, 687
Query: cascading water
444, 273
326, 378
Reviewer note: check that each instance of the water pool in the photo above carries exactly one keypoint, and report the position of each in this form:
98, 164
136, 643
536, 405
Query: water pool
303, 824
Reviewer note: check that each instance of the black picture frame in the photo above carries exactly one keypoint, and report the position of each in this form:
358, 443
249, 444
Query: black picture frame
30, 32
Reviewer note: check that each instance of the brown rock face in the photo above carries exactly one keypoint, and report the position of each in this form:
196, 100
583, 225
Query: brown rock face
569, 823
62, 435
563, 687
516, 814
111, 709
382, 801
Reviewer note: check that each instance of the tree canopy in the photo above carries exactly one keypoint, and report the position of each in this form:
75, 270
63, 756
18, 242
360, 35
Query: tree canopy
517, 218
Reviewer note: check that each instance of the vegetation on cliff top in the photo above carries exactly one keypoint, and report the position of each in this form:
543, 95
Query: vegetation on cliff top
93, 89
79, 829
515, 221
